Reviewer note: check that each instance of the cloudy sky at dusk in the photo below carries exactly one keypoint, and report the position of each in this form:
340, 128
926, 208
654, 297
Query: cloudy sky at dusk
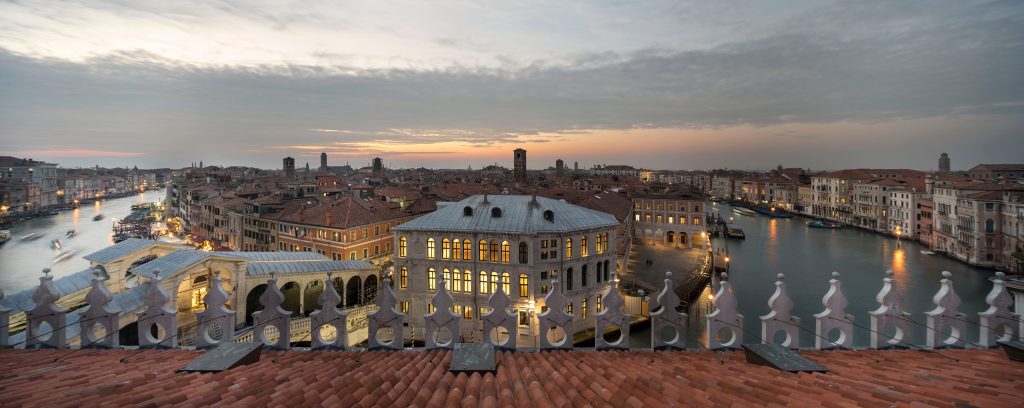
660, 84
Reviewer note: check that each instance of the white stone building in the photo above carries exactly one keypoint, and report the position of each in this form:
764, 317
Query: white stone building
513, 242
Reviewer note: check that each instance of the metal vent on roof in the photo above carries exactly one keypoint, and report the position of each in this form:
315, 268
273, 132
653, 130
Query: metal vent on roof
467, 211
549, 215
496, 212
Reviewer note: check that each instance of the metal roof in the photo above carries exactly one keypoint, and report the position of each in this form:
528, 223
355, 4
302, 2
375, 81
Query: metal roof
119, 250
22, 301
286, 268
172, 263
275, 256
518, 215
128, 301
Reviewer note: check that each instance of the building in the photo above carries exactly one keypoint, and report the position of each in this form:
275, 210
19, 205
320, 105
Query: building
519, 165
673, 218
378, 167
969, 222
559, 168
42, 174
517, 243
323, 161
289, 167
835, 191
994, 172
944, 163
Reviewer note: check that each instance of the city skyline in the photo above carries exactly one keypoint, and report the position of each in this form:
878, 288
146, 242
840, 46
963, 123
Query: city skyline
665, 85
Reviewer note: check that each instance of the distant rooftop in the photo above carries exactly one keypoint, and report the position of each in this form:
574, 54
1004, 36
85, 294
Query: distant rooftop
517, 215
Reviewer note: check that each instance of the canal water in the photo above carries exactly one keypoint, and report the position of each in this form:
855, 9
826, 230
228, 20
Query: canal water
808, 256
21, 262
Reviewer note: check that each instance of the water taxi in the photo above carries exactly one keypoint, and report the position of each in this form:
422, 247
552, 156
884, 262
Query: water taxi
744, 211
927, 252
823, 224
32, 237
64, 256
5, 235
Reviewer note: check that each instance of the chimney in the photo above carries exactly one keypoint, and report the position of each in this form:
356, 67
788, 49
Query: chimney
533, 198
485, 196
330, 217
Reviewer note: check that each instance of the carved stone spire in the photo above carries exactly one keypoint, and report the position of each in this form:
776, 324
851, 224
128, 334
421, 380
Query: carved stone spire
157, 324
46, 312
217, 322
667, 317
386, 317
945, 314
998, 314
555, 317
101, 313
329, 316
834, 317
500, 317
889, 312
781, 318
725, 318
612, 316
272, 315
442, 318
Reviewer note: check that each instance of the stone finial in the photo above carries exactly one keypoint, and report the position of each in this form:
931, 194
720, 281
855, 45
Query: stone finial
46, 312
500, 317
780, 318
329, 316
998, 314
5, 321
101, 313
386, 317
442, 318
725, 319
611, 317
157, 317
668, 318
273, 316
217, 317
889, 312
555, 317
946, 314
834, 317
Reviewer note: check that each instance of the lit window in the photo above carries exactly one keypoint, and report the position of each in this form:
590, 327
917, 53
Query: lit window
467, 251
447, 276
524, 253
483, 250
430, 308
432, 279
430, 248
506, 249
402, 245
599, 303
494, 282
583, 308
483, 282
524, 285
403, 277
606, 242
583, 246
598, 247
457, 281
494, 252
671, 219
467, 281
568, 308
457, 249
446, 249
568, 248
506, 283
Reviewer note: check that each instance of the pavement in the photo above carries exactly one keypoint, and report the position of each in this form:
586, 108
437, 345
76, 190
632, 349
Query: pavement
680, 261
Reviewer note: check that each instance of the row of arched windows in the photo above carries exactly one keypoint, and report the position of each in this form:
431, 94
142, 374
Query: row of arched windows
493, 251
462, 281
603, 274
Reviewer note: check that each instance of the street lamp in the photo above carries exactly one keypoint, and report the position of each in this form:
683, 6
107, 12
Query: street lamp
898, 243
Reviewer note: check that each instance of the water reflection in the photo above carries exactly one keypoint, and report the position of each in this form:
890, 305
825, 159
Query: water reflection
899, 268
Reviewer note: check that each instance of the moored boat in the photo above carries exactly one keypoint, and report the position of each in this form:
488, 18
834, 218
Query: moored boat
735, 233
823, 224
5, 235
744, 211
927, 252
772, 212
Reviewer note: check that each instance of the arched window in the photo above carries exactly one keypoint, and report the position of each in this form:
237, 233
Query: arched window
598, 247
606, 242
431, 279
446, 249
524, 253
657, 218
457, 249
494, 252
483, 250
447, 278
671, 219
430, 248
597, 276
402, 245
506, 283
583, 275
467, 250
568, 279
990, 226
467, 281
696, 220
568, 248
403, 277
467, 211
524, 285
496, 212
505, 252
494, 282
606, 275
549, 216
457, 280
483, 282
584, 251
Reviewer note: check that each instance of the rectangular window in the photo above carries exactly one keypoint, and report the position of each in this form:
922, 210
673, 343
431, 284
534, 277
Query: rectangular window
405, 307
568, 248
584, 251
467, 312
352, 256
583, 308
446, 249
366, 253
483, 251
430, 308
430, 248
524, 285
432, 279
598, 303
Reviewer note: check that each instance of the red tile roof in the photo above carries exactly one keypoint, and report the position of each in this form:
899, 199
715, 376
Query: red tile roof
523, 379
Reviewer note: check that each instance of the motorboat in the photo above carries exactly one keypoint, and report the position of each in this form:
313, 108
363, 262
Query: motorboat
823, 224
64, 256
5, 235
32, 237
744, 211
735, 233
56, 244
772, 212
927, 252
97, 217
71, 233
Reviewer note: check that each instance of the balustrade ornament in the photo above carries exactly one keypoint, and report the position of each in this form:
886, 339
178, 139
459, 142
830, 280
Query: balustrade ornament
668, 318
442, 318
612, 316
329, 316
101, 313
998, 315
834, 317
555, 318
46, 320
889, 313
157, 325
725, 319
217, 318
386, 317
946, 315
272, 316
499, 317
5, 323
781, 319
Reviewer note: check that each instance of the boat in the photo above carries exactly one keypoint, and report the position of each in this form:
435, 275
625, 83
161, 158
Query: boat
55, 244
744, 211
71, 233
927, 252
64, 256
735, 233
823, 224
5, 235
32, 237
97, 217
773, 212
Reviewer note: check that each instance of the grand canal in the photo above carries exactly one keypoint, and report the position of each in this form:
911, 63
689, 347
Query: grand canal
21, 262
808, 256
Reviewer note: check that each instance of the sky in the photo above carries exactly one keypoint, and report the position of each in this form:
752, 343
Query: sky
454, 84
